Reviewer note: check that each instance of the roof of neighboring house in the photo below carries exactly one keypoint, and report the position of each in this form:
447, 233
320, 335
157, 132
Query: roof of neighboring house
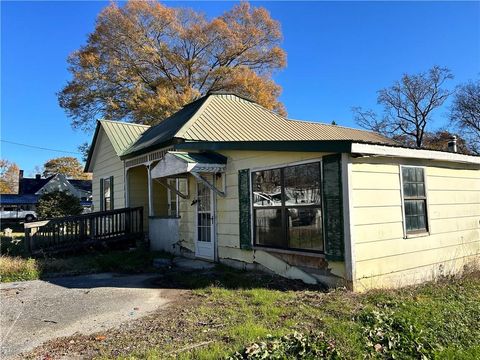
224, 117
32, 185
121, 135
85, 185
18, 199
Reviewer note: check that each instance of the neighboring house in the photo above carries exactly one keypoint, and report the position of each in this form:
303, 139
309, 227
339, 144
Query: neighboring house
30, 190
226, 180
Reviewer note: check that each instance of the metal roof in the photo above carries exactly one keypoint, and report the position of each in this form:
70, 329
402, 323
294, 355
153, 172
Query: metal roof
122, 134
166, 130
222, 117
200, 158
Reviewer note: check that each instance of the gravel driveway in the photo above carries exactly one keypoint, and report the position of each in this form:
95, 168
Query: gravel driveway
33, 312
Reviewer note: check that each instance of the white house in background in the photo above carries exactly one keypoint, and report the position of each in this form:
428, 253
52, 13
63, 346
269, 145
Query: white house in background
226, 180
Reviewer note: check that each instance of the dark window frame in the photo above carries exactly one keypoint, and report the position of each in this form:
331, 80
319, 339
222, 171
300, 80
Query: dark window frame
406, 198
284, 208
108, 179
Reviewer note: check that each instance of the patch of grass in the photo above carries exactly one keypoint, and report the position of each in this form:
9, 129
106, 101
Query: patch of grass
228, 312
18, 269
133, 261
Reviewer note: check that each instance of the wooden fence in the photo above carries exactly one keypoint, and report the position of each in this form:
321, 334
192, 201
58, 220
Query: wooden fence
74, 232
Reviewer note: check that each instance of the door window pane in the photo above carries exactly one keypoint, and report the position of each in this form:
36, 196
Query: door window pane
205, 227
203, 197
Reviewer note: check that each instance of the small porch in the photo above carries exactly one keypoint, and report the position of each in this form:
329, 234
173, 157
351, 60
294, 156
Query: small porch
178, 194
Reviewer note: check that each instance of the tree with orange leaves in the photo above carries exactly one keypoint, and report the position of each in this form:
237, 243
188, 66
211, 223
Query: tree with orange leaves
145, 60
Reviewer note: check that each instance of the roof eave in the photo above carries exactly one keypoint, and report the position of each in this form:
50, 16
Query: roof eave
306, 146
406, 152
151, 148
86, 169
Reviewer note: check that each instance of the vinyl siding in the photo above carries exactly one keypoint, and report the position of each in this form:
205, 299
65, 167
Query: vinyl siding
383, 256
106, 163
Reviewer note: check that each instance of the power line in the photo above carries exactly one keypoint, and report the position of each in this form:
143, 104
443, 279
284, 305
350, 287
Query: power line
40, 148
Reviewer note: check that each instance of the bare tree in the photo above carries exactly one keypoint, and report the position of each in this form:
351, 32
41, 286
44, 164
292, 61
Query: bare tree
465, 112
408, 105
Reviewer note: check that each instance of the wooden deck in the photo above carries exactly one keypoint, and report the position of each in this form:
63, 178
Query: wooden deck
83, 231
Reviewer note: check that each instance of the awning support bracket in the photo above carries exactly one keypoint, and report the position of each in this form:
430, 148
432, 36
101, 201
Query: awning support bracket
172, 188
201, 179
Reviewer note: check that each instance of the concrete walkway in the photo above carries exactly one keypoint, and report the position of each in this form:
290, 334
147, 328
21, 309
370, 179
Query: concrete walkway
33, 312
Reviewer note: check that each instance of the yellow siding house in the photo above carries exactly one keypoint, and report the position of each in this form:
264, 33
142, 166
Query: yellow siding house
228, 181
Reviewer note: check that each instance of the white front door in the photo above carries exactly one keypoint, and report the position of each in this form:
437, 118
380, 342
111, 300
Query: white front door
205, 227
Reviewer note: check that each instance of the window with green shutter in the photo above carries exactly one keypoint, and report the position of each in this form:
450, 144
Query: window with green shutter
244, 208
333, 207
106, 192
294, 207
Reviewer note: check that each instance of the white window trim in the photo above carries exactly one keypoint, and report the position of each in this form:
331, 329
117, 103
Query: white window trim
177, 199
102, 196
402, 199
252, 224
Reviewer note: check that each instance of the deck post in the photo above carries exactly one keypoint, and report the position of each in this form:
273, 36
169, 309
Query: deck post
28, 237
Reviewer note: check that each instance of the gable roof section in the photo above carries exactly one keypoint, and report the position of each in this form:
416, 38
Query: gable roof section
120, 134
167, 130
223, 117
32, 185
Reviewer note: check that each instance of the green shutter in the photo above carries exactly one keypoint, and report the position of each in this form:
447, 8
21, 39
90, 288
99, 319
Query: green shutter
333, 207
102, 200
112, 206
244, 208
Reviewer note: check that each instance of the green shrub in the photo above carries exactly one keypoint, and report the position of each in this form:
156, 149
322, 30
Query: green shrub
58, 204
293, 346
393, 335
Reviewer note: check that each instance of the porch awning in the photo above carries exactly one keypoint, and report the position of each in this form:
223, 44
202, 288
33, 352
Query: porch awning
176, 163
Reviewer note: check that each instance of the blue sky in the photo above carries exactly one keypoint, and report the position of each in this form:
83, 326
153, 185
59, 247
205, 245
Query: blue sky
339, 55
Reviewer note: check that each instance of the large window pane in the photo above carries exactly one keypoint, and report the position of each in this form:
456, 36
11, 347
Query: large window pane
268, 228
415, 215
106, 195
267, 190
287, 207
305, 228
302, 185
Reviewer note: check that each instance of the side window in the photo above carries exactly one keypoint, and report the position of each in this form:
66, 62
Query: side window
414, 200
106, 191
173, 198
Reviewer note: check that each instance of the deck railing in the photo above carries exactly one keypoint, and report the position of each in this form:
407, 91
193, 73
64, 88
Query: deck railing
74, 232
